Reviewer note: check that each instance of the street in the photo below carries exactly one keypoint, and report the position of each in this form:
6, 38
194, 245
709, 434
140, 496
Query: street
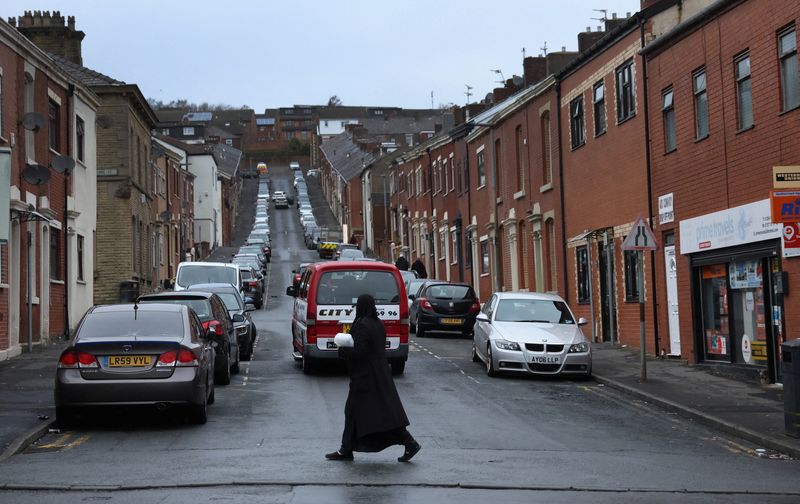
510, 438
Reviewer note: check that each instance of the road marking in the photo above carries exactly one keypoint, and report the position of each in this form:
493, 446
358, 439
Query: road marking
77, 442
473, 379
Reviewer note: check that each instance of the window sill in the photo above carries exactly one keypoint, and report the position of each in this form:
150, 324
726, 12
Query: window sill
498, 201
632, 301
484, 275
622, 121
81, 282
54, 152
698, 140
57, 282
667, 153
519, 195
598, 135
546, 187
81, 163
453, 264
4, 286
34, 300
480, 187
584, 302
4, 140
745, 130
576, 147
788, 111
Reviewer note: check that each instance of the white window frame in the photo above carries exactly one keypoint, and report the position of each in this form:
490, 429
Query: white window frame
188, 130
454, 246
442, 244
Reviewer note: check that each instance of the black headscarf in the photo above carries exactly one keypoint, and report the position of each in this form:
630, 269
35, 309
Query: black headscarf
365, 307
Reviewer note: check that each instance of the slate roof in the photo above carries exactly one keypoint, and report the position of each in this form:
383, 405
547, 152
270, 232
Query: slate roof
191, 149
345, 157
227, 158
85, 76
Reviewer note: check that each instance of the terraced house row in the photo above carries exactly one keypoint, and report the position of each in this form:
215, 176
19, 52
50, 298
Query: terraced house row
677, 113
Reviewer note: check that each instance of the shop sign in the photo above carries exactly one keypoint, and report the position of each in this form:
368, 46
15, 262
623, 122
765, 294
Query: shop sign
786, 177
785, 206
747, 350
791, 239
727, 228
665, 212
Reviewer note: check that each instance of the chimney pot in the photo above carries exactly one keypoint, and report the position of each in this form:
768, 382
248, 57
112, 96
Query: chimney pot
563, 48
627, 14
589, 29
613, 15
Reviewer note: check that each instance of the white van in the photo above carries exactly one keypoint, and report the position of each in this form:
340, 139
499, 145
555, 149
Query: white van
190, 273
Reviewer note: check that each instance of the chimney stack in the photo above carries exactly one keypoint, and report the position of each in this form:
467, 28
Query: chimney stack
534, 69
52, 33
588, 38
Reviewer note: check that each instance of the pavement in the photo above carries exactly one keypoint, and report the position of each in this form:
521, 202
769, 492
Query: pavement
744, 409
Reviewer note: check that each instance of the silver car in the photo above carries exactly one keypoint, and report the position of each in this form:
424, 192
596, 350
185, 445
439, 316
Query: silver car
528, 332
149, 354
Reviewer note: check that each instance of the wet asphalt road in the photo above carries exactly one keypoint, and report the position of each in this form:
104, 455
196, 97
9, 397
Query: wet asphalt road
515, 439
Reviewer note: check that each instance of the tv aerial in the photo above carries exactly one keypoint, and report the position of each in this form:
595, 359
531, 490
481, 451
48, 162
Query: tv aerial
33, 121
63, 164
35, 174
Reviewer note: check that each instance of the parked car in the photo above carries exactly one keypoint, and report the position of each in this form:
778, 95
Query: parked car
191, 272
252, 284
441, 306
408, 276
344, 246
298, 273
281, 202
327, 295
236, 305
248, 260
136, 354
313, 172
350, 255
216, 322
294, 165
262, 241
530, 332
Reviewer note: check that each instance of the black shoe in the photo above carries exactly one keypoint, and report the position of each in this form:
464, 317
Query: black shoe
338, 455
411, 450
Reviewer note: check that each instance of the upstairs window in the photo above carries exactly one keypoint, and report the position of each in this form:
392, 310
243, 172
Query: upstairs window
80, 138
599, 104
481, 170
55, 125
626, 103
787, 52
576, 122
744, 91
700, 104
668, 114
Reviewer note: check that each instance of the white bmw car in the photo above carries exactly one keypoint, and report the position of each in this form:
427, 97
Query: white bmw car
529, 332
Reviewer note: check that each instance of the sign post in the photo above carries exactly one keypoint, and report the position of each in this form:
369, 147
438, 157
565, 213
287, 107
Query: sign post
641, 238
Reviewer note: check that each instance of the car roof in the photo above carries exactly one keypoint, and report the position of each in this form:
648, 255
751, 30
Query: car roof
547, 296
212, 287
128, 307
203, 263
177, 295
349, 265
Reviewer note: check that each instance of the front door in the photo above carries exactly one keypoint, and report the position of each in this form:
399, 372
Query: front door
607, 298
670, 264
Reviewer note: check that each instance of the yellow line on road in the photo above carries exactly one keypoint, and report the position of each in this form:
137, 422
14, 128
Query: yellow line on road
77, 442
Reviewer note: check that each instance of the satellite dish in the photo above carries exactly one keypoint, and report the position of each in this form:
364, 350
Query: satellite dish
517, 80
35, 174
32, 121
104, 121
63, 164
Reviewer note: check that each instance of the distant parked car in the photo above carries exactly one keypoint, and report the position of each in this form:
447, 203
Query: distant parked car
193, 272
294, 165
444, 307
530, 332
350, 255
136, 354
236, 305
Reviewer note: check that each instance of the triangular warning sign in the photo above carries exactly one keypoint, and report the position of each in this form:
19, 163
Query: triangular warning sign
641, 237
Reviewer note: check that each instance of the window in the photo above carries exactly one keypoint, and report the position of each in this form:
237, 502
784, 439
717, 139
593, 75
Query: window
55, 125
445, 184
787, 52
134, 252
228, 141
188, 131
668, 114
161, 252
520, 144
626, 104
468, 249
599, 104
576, 122
744, 91
436, 183
80, 258
582, 262
1, 103
452, 173
55, 256
631, 275
481, 170
484, 257
700, 104
547, 158
80, 138
442, 245
454, 247
30, 147
498, 168
165, 131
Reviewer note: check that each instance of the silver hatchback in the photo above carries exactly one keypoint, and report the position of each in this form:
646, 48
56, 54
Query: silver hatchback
149, 354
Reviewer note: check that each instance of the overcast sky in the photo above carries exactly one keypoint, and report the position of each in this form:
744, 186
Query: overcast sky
280, 53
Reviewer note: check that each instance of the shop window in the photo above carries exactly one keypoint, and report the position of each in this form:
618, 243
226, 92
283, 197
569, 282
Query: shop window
582, 260
632, 275
714, 294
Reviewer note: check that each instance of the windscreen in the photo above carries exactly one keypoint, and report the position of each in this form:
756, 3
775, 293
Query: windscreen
123, 324
200, 306
454, 292
533, 310
344, 287
200, 274
231, 301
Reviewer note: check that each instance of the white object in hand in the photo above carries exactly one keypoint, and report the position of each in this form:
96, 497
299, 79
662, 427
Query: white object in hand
343, 340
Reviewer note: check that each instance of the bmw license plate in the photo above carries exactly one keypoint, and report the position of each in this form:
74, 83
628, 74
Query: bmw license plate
452, 321
128, 360
545, 360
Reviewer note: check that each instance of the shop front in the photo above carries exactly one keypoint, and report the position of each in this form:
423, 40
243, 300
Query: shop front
735, 255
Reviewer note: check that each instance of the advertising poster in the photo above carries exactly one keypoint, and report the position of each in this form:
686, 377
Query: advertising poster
791, 240
745, 274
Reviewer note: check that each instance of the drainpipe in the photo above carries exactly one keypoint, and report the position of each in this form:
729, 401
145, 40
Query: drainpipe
561, 191
70, 113
649, 191
433, 233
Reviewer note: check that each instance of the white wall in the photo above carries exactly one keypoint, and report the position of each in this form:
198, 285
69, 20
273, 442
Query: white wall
366, 196
207, 199
333, 127
84, 202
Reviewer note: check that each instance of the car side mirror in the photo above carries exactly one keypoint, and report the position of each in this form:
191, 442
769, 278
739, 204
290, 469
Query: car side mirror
290, 291
412, 297
238, 318
582, 321
482, 317
249, 307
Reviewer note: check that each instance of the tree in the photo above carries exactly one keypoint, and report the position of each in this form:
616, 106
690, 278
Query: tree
334, 101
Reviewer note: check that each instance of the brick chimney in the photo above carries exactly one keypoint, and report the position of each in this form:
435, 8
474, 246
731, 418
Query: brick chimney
588, 38
534, 69
500, 94
52, 34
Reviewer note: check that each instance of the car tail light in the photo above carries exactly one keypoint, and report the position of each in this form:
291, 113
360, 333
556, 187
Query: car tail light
213, 327
425, 304
167, 359
475, 308
68, 359
186, 358
253, 283
87, 360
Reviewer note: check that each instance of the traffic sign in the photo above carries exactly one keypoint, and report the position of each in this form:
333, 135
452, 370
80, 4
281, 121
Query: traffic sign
641, 237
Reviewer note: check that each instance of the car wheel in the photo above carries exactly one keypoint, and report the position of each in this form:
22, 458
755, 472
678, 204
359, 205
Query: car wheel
235, 368
490, 371
412, 327
223, 377
398, 366
213, 396
420, 331
475, 356
309, 366
199, 413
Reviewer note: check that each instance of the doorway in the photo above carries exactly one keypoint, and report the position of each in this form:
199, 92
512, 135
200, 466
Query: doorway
671, 273
608, 305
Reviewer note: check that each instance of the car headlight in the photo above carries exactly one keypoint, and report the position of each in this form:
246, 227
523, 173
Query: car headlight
579, 347
507, 345
241, 330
